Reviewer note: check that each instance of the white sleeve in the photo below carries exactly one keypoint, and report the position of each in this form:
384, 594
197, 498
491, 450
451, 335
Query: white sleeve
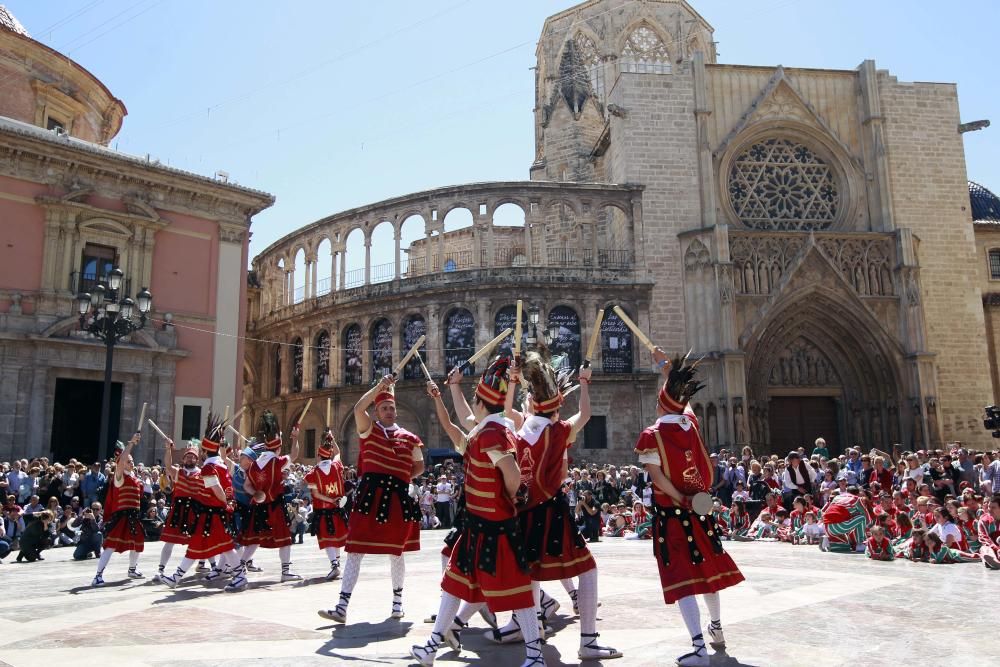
416, 453
650, 457
211, 481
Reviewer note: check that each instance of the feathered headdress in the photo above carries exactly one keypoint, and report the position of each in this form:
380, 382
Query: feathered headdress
680, 386
547, 379
492, 386
270, 431
213, 434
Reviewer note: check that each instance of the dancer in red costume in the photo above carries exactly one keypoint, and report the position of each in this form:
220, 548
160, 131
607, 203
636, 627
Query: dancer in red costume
267, 525
213, 515
554, 548
385, 519
326, 486
186, 486
988, 531
687, 546
122, 528
487, 564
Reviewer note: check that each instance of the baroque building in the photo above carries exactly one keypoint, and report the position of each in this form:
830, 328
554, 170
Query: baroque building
806, 232
70, 210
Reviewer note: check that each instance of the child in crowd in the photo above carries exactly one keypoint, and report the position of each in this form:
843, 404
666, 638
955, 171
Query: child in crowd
939, 554
877, 547
785, 532
904, 529
739, 522
740, 493
765, 527
914, 549
812, 530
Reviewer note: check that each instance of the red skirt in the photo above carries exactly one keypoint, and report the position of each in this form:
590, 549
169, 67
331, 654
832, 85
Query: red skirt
330, 528
267, 526
398, 532
180, 522
553, 544
488, 545
124, 532
211, 536
681, 576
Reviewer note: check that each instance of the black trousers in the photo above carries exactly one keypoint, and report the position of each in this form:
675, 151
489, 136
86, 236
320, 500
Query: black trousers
443, 511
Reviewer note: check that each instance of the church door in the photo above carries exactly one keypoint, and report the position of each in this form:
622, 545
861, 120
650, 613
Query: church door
796, 421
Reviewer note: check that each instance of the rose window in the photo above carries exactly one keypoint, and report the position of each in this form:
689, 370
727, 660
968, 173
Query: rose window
779, 184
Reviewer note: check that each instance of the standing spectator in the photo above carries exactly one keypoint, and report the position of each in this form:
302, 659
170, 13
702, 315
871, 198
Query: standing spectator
718, 475
14, 479
590, 511
70, 483
991, 476
92, 483
28, 487
820, 449
966, 468
442, 503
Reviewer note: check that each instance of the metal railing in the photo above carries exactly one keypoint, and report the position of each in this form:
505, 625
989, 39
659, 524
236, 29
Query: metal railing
323, 286
86, 282
382, 273
615, 259
355, 278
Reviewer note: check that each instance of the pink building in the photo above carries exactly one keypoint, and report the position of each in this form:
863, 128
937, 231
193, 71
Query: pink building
70, 209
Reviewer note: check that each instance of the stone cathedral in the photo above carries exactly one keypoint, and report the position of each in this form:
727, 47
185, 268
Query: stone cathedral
809, 233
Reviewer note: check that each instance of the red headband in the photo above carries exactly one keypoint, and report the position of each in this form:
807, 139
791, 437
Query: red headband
489, 395
548, 405
210, 446
325, 452
667, 403
383, 396
274, 445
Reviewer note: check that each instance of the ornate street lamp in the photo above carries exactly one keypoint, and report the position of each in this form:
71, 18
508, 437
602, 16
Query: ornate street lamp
550, 333
104, 316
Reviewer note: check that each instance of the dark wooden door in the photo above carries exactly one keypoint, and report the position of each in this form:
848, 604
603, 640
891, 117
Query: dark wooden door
796, 421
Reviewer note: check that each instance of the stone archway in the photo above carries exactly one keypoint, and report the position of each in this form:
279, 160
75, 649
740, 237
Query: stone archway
822, 363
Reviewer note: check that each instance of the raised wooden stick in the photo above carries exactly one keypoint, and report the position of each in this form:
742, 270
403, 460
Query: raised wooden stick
427, 373
225, 415
517, 330
302, 414
232, 420
142, 416
406, 359
594, 335
238, 434
643, 338
157, 429
328, 412
485, 349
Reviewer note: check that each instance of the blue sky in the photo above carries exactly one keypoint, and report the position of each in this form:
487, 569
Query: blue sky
334, 104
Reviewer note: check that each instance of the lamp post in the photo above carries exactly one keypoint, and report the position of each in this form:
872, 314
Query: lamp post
106, 316
550, 333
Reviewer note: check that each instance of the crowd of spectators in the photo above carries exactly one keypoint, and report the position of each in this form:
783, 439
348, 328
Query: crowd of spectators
756, 497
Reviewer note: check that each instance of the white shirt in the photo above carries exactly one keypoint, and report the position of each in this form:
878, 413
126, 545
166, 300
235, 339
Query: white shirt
946, 530
444, 492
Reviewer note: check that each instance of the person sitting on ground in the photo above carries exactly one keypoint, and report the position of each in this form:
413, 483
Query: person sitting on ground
91, 539
877, 546
812, 530
938, 553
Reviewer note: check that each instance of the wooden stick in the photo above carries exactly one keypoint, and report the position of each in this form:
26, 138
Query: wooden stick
142, 416
406, 359
485, 349
643, 338
517, 330
594, 335
157, 429
225, 415
328, 412
238, 434
427, 373
302, 415
232, 420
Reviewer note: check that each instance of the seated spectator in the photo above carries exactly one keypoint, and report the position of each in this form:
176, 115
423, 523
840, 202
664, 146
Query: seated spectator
812, 531
66, 535
938, 553
877, 546
152, 526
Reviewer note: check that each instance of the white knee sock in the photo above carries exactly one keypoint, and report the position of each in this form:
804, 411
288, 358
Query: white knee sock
102, 562
333, 553
587, 601
468, 610
528, 621
568, 585
285, 554
691, 615
168, 548
397, 571
446, 612
352, 567
714, 606
133, 559
248, 551
183, 567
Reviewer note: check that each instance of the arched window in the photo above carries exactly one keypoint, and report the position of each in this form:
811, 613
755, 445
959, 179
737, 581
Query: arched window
381, 341
779, 184
322, 352
994, 264
506, 318
413, 328
459, 339
645, 53
449, 265
591, 59
297, 369
567, 340
277, 370
352, 355
616, 344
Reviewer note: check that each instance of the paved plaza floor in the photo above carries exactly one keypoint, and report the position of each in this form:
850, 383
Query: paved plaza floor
797, 607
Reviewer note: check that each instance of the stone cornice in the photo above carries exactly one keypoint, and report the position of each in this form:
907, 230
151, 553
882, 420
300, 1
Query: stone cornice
29, 153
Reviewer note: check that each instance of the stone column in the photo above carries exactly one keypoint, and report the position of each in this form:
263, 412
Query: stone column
483, 328
368, 261
530, 218
435, 357
366, 354
397, 237
308, 372
36, 412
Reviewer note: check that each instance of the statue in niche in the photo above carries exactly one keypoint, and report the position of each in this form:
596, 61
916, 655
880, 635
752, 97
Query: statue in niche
857, 425
918, 426
932, 421
877, 428
739, 431
893, 423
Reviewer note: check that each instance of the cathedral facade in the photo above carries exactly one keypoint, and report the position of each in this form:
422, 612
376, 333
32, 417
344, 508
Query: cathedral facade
808, 233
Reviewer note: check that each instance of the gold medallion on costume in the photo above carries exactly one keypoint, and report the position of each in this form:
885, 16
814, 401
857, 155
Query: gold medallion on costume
691, 477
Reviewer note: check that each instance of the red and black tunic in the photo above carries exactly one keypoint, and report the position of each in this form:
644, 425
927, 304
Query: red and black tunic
211, 535
329, 520
554, 547
180, 521
123, 529
487, 563
385, 519
687, 546
878, 549
268, 522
